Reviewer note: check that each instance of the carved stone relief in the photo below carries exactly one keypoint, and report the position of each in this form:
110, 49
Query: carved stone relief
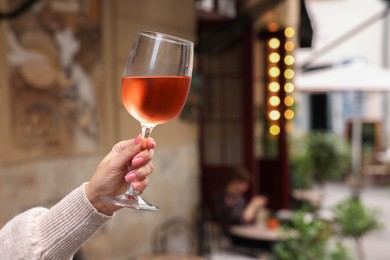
54, 63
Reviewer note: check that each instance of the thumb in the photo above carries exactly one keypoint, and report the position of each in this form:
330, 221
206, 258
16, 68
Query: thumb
124, 151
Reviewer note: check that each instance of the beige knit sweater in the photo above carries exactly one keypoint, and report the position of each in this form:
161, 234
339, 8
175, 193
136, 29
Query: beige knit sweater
55, 233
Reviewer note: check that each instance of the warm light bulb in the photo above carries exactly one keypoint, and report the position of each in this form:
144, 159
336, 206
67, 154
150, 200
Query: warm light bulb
274, 86
274, 57
289, 127
289, 114
274, 115
288, 73
274, 130
274, 43
288, 101
274, 72
289, 46
289, 60
289, 87
273, 27
274, 100
289, 32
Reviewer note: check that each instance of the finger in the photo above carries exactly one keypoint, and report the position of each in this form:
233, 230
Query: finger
140, 173
122, 145
142, 159
144, 171
140, 185
126, 150
151, 144
117, 148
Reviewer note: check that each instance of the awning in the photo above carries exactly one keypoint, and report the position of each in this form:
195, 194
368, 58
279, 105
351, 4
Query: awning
354, 76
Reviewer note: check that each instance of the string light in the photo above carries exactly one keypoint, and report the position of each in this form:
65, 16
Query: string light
274, 86
273, 27
274, 57
280, 72
274, 72
289, 46
289, 101
289, 114
289, 60
289, 87
274, 115
274, 130
289, 32
289, 127
288, 73
274, 101
274, 43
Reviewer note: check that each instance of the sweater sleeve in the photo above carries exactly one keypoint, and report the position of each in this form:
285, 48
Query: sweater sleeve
56, 233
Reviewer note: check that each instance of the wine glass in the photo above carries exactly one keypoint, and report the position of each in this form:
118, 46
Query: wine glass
155, 85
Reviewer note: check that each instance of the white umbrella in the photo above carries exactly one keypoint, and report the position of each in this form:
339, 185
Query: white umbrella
355, 76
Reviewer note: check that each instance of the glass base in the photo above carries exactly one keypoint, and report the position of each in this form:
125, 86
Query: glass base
131, 201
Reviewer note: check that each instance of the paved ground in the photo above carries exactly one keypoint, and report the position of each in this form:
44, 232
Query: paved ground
377, 244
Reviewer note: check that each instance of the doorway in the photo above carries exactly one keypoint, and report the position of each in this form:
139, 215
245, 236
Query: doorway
319, 112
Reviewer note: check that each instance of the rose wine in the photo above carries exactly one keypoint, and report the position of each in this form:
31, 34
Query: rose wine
155, 99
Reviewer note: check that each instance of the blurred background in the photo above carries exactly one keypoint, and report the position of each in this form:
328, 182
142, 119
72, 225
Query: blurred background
294, 91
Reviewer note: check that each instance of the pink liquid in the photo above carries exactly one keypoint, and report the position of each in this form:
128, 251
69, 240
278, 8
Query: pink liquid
155, 100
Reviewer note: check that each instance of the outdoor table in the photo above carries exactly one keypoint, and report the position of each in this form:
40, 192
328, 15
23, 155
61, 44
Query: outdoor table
170, 257
256, 236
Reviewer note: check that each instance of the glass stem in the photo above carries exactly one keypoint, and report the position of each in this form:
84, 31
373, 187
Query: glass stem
146, 131
130, 191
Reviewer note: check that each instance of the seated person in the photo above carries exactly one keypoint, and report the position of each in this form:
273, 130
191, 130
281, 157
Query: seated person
231, 207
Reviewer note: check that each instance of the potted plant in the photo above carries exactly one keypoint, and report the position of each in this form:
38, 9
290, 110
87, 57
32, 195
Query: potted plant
354, 220
309, 240
316, 158
319, 156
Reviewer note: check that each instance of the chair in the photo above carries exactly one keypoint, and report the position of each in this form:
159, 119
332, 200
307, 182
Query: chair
175, 236
213, 243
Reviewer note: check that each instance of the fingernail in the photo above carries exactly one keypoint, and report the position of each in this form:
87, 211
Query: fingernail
151, 144
137, 161
138, 140
136, 185
130, 176
144, 143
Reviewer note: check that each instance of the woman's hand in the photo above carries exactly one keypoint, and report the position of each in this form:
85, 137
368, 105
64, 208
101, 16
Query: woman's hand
256, 203
127, 162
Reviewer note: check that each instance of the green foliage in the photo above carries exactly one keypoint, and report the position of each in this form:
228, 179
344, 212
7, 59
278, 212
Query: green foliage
310, 238
318, 157
301, 174
308, 241
339, 252
354, 220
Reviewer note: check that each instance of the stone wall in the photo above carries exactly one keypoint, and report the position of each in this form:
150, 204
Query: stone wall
42, 181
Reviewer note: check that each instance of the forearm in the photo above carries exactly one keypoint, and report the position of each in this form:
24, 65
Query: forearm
68, 224
57, 233
249, 213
